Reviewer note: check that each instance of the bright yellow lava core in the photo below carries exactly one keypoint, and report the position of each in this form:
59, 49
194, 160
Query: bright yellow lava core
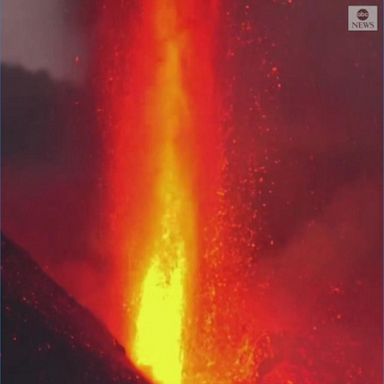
159, 343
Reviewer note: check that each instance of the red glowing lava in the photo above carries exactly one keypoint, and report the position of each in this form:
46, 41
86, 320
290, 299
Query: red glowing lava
164, 170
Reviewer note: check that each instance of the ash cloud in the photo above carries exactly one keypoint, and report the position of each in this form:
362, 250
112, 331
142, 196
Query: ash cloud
44, 35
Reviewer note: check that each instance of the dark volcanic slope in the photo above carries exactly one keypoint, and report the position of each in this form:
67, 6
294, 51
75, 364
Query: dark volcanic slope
47, 336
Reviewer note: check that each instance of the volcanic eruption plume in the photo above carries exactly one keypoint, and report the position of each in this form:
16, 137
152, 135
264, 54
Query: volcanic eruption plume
163, 294
163, 167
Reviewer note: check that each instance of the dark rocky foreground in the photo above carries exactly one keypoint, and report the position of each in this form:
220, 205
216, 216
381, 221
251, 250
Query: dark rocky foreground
47, 337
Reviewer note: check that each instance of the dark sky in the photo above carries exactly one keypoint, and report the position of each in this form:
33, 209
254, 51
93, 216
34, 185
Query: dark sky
36, 34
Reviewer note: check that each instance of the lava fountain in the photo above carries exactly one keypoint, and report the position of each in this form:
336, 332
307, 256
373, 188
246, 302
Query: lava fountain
162, 158
163, 292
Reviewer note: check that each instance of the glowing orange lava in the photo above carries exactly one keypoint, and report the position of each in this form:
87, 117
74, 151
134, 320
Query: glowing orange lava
166, 200
158, 345
163, 299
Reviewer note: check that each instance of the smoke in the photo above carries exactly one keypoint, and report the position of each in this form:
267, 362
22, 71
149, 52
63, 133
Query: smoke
41, 35
322, 290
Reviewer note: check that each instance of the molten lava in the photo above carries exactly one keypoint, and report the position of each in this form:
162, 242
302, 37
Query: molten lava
170, 251
166, 204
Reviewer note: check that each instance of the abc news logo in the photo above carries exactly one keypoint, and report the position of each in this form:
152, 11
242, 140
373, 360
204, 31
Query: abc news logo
362, 18
363, 15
